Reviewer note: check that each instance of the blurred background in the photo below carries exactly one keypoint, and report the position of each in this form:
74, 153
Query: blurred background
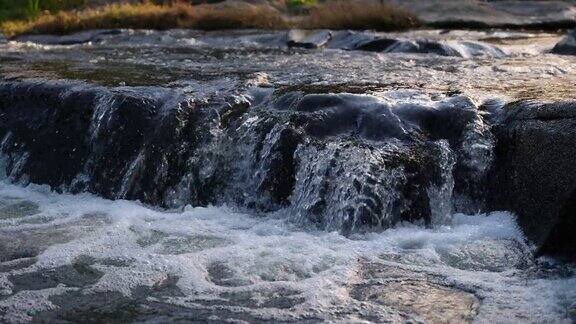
65, 16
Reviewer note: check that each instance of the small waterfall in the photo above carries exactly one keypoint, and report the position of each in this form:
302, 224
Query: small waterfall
476, 154
441, 196
346, 188
340, 162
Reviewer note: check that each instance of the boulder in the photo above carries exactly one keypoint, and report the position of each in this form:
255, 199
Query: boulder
359, 163
425, 46
513, 14
71, 39
308, 39
342, 162
566, 46
349, 40
534, 173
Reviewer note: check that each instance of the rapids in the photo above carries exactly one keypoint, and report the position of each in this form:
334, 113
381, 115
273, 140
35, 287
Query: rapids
84, 258
250, 176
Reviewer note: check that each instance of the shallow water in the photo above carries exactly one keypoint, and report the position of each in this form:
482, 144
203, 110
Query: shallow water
83, 258
202, 63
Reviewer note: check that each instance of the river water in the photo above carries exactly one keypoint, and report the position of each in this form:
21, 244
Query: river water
83, 258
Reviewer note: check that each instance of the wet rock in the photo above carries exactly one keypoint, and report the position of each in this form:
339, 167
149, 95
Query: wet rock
144, 303
349, 40
281, 165
75, 38
429, 302
67, 149
376, 45
14, 208
30, 244
412, 293
341, 161
363, 41
566, 46
407, 46
488, 255
424, 46
17, 264
84, 133
76, 275
364, 164
296, 38
534, 174
552, 15
308, 39
469, 49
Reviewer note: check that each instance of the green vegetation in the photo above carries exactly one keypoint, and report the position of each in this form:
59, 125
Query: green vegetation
33, 8
149, 16
55, 16
300, 3
29, 9
12, 9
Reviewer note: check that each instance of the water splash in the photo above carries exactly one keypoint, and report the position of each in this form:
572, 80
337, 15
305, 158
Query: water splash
204, 262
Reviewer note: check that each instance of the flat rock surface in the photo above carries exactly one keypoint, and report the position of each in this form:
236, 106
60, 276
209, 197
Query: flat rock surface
493, 13
205, 62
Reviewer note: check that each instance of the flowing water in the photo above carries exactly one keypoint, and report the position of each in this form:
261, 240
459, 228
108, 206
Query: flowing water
83, 258
252, 258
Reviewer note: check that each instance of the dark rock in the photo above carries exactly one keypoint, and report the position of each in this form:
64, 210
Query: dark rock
349, 40
408, 46
367, 164
567, 46
344, 162
280, 179
77, 274
377, 45
511, 14
308, 39
30, 119
72, 39
534, 173
61, 134
296, 38
425, 46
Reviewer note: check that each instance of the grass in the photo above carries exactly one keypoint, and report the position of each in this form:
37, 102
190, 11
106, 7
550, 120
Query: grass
23, 9
147, 15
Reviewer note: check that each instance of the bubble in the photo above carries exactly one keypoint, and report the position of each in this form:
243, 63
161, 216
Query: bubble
99, 259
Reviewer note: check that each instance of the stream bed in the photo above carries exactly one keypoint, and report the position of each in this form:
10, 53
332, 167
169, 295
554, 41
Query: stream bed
160, 176
84, 259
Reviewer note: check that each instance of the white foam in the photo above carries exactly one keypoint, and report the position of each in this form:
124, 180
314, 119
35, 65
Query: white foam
266, 254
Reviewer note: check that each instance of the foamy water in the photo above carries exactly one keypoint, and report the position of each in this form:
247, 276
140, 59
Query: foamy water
217, 264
